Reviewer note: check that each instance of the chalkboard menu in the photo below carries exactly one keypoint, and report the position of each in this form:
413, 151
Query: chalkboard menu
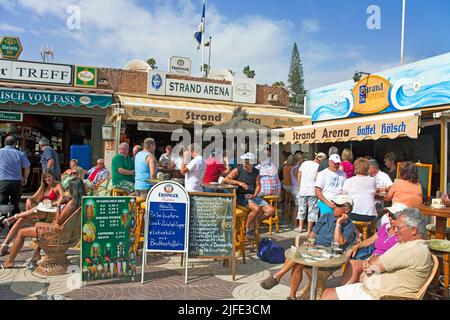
211, 225
108, 228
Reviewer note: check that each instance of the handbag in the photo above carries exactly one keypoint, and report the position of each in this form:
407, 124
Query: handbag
270, 252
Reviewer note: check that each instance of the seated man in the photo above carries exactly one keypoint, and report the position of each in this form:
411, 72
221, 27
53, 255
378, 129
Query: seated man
97, 174
376, 245
403, 269
336, 227
246, 176
75, 171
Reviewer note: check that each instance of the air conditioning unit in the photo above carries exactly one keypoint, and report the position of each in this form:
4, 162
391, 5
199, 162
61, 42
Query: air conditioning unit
272, 97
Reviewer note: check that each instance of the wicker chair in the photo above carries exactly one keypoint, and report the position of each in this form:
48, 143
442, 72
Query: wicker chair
55, 243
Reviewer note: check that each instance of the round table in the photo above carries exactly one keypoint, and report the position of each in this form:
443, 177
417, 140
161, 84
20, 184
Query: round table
441, 218
333, 262
43, 208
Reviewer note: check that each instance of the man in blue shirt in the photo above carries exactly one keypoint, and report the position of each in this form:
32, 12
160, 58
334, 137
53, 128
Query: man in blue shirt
336, 227
12, 161
49, 158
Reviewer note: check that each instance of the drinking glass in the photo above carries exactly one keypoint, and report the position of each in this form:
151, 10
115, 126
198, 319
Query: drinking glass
311, 242
438, 194
335, 248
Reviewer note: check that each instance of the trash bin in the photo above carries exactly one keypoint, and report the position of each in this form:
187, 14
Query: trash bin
81, 152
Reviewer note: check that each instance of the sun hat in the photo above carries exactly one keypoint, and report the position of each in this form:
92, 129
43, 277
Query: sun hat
335, 158
343, 199
321, 156
248, 156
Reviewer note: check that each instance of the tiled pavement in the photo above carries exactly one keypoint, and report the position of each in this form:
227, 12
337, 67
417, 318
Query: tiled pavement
164, 279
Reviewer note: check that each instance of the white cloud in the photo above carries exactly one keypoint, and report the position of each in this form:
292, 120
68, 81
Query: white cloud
10, 28
310, 26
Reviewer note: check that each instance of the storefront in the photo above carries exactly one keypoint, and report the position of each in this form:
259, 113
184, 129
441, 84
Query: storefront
406, 104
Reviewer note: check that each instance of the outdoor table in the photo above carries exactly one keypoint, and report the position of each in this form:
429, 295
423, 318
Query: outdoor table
441, 218
219, 186
49, 211
332, 262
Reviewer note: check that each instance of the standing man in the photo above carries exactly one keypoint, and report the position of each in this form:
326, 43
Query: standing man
137, 148
324, 164
329, 184
12, 161
49, 158
122, 169
306, 196
215, 168
145, 164
383, 183
390, 160
270, 182
194, 171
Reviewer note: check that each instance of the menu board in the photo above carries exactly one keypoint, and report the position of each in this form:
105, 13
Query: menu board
108, 228
211, 225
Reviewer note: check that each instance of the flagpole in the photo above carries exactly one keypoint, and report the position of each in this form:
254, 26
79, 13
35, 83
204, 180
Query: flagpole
403, 31
203, 43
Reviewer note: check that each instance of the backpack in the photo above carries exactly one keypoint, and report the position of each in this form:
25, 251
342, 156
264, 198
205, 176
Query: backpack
270, 252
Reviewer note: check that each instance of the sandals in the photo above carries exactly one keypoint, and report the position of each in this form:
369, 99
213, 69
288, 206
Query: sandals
6, 222
250, 234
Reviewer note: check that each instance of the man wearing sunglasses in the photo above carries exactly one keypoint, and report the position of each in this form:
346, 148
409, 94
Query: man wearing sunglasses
402, 270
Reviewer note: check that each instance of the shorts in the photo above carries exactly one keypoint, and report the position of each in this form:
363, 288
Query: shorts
361, 217
364, 253
323, 208
353, 292
242, 201
142, 193
307, 205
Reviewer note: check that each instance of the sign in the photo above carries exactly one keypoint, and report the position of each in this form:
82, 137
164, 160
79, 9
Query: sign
10, 47
392, 127
11, 116
244, 90
370, 95
166, 220
19, 96
211, 225
156, 82
85, 77
58, 74
180, 65
108, 247
158, 127
197, 89
417, 85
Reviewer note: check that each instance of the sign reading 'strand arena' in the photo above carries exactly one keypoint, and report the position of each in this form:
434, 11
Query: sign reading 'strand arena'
421, 84
196, 89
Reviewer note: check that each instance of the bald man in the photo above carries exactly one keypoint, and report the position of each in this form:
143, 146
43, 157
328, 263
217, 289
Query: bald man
122, 169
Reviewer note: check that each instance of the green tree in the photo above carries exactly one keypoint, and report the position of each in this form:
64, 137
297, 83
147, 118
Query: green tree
296, 81
248, 72
152, 63
279, 84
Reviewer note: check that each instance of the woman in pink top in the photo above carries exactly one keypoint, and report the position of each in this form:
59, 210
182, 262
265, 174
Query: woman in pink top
346, 164
406, 190
376, 245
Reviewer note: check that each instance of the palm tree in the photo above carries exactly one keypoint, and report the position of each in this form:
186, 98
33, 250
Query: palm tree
248, 72
152, 63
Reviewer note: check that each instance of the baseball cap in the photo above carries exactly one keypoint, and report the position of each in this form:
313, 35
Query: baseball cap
343, 199
321, 156
248, 156
396, 208
335, 158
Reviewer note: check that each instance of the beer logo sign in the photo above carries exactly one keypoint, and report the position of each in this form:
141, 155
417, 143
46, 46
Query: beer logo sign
168, 188
371, 95
156, 81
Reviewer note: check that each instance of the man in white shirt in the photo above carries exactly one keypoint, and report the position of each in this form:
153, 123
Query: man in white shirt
329, 184
306, 196
383, 182
194, 171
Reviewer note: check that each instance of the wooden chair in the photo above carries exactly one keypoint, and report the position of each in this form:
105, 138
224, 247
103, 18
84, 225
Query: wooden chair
420, 294
118, 192
366, 228
55, 243
239, 240
273, 201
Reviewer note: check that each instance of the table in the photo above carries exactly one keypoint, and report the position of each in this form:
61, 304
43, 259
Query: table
441, 218
219, 186
333, 262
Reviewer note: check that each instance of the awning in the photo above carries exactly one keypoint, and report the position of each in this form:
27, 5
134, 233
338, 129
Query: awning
356, 129
160, 110
33, 97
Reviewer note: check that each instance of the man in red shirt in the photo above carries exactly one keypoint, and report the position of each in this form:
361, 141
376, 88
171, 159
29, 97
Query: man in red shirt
215, 168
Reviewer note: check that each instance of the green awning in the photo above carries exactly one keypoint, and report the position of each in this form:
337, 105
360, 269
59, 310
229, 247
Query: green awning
48, 98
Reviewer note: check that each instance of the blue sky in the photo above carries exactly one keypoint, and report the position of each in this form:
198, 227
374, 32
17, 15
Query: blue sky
332, 36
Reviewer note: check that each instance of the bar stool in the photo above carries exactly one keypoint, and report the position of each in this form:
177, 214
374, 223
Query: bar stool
431, 230
35, 177
118, 192
273, 201
239, 239
367, 228
441, 248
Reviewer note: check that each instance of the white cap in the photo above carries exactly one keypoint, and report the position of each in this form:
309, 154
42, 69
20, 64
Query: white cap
335, 158
396, 207
248, 156
343, 199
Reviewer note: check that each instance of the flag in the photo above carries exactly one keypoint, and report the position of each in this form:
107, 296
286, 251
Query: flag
201, 29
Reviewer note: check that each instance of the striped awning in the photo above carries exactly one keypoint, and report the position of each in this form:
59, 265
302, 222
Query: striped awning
189, 112
393, 125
